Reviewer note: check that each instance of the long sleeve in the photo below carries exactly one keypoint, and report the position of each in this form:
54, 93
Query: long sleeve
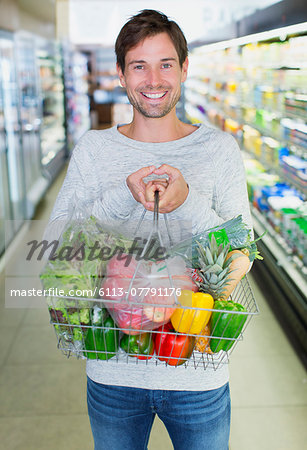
82, 189
81, 182
229, 188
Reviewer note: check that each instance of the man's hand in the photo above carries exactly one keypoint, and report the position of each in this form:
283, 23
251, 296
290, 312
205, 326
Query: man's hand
136, 184
175, 193
152, 186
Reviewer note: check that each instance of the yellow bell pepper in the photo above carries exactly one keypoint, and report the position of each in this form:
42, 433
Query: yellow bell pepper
190, 319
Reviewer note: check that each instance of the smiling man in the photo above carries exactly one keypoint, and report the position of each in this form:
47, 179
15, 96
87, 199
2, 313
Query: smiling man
153, 82
204, 182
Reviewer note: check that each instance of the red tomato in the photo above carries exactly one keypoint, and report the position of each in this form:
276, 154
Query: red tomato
172, 348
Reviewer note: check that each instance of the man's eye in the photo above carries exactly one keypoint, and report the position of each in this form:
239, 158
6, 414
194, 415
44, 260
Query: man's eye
166, 66
139, 67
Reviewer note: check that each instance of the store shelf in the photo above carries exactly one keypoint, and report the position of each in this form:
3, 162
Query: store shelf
256, 92
282, 285
292, 265
51, 94
77, 103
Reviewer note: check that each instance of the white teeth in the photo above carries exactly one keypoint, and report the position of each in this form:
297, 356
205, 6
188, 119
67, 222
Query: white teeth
153, 95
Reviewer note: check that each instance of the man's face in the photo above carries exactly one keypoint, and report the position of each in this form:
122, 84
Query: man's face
153, 76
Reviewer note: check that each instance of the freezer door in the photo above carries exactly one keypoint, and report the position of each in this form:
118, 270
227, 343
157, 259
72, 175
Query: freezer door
16, 182
5, 209
27, 74
51, 87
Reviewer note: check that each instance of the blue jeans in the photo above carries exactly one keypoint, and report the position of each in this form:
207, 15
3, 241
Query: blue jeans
121, 417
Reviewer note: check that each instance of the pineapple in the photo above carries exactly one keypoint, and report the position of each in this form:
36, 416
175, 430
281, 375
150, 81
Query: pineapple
213, 269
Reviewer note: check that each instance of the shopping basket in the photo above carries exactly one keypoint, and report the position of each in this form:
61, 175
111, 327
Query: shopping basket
89, 328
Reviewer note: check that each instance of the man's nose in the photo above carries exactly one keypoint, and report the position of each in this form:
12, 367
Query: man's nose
154, 77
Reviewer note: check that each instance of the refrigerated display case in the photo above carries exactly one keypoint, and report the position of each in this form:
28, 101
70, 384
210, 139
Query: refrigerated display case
30, 118
51, 94
5, 206
254, 87
12, 167
77, 103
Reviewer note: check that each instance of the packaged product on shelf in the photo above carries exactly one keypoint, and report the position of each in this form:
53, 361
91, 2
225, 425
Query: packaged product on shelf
232, 127
231, 108
252, 166
248, 113
294, 231
297, 49
232, 86
295, 105
212, 113
257, 178
294, 131
283, 199
252, 140
270, 152
276, 197
265, 119
255, 184
299, 232
295, 169
220, 121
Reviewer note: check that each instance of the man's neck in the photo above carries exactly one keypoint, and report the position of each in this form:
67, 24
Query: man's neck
164, 129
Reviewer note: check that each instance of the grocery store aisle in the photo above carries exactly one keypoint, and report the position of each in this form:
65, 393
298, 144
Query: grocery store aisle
43, 395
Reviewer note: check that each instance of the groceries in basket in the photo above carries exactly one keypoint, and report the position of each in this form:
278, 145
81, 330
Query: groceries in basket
233, 231
219, 272
76, 262
142, 295
69, 319
140, 346
154, 309
102, 340
172, 347
196, 312
226, 327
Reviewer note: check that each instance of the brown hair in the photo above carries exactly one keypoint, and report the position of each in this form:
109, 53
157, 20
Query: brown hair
145, 24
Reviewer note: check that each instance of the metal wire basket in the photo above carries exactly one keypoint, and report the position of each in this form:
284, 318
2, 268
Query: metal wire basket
72, 337
85, 329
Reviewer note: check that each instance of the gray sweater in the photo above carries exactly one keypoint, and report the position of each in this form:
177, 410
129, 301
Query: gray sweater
211, 163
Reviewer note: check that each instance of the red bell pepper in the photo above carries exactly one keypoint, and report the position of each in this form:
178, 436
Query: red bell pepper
174, 348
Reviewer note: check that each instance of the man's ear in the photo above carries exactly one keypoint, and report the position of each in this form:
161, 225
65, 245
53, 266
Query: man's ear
120, 75
184, 70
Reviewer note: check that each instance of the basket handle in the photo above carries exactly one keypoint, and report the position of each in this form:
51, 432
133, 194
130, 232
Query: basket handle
156, 211
156, 217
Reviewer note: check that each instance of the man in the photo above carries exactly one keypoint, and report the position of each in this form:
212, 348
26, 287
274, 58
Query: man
204, 181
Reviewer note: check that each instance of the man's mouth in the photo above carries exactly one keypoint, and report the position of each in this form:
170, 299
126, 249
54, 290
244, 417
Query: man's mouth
154, 96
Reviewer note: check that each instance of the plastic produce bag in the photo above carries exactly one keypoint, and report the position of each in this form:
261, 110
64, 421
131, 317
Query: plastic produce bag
70, 319
75, 263
74, 268
142, 295
235, 231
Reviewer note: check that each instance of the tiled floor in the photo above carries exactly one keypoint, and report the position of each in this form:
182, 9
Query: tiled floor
43, 395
